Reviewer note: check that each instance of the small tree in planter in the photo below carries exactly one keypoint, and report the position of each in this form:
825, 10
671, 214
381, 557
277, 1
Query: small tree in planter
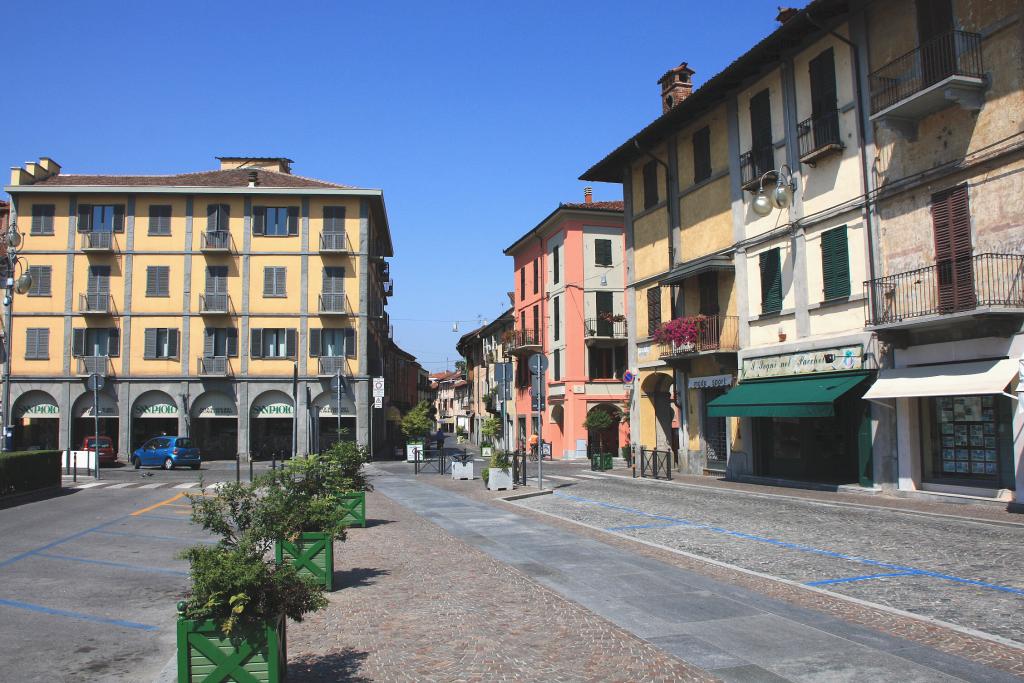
416, 425
598, 421
233, 620
347, 483
491, 431
497, 475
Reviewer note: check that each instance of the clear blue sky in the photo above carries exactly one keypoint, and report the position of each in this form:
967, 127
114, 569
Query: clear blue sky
474, 117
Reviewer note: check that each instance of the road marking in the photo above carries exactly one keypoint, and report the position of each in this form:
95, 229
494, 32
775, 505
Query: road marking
188, 485
91, 484
587, 476
851, 579
558, 478
122, 486
77, 615
153, 486
119, 565
177, 496
176, 539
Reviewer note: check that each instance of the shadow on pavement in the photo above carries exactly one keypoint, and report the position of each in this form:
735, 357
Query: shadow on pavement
15, 499
378, 522
336, 666
357, 576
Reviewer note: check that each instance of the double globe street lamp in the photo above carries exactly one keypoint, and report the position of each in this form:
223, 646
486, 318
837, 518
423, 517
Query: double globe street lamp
780, 196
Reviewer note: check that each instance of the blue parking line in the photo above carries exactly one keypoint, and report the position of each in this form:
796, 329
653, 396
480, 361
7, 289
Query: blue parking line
630, 527
76, 615
119, 565
866, 577
183, 518
901, 569
178, 539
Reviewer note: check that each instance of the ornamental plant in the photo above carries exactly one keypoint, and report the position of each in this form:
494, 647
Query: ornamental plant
598, 421
417, 422
491, 430
680, 331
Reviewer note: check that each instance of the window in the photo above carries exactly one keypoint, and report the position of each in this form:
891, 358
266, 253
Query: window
273, 343
160, 343
557, 364
522, 321
556, 265
220, 341
771, 281
42, 219
158, 281
708, 285
98, 284
954, 251
101, 218
37, 343
557, 315
275, 221
41, 281
96, 341
333, 343
702, 154
650, 173
334, 280
607, 362
216, 279
536, 323
217, 217
334, 219
274, 281
824, 103
835, 263
536, 275
761, 133
967, 438
653, 310
160, 219
602, 252
522, 283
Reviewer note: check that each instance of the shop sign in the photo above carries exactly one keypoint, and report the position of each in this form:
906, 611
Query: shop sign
273, 410
156, 410
105, 411
214, 404
839, 359
40, 410
710, 382
216, 411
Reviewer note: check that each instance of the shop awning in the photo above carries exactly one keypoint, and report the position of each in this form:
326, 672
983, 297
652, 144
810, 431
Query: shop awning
796, 397
955, 379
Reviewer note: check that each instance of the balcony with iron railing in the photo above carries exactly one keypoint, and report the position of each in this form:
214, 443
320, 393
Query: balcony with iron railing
601, 331
215, 241
95, 303
754, 164
330, 366
818, 136
334, 303
983, 283
214, 303
946, 69
335, 242
711, 334
98, 365
524, 341
213, 366
102, 242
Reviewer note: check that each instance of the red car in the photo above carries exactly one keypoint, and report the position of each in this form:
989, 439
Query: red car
107, 454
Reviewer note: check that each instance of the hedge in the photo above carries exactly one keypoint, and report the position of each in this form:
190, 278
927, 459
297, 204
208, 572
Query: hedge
22, 471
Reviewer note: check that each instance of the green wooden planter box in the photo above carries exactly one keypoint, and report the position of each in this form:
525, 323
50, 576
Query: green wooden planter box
599, 462
312, 553
206, 655
354, 505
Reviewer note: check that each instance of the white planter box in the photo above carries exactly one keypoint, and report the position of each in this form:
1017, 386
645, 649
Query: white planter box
499, 479
413, 452
486, 452
462, 470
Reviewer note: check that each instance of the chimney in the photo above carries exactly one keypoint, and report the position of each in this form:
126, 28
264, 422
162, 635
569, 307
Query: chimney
275, 164
676, 86
588, 195
254, 178
785, 14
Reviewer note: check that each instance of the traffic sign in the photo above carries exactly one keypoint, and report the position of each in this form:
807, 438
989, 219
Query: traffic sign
335, 383
538, 364
95, 382
378, 387
628, 377
378, 401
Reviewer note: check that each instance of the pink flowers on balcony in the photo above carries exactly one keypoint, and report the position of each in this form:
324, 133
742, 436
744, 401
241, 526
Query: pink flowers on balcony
681, 333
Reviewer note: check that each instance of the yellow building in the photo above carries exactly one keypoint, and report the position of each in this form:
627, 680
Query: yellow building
217, 304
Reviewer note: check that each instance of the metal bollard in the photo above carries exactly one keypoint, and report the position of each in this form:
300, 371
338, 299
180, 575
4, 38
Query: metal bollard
74, 469
238, 469
250, 468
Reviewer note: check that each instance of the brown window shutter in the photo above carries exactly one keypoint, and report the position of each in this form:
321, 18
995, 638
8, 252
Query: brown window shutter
954, 262
653, 310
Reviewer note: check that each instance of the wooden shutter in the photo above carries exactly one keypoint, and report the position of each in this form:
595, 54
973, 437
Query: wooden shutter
761, 133
118, 218
99, 280
259, 220
314, 342
835, 263
350, 342
334, 280
78, 341
149, 347
41, 280
30, 342
771, 281
290, 342
558, 364
823, 83
37, 343
650, 174
653, 309
702, 154
951, 222
42, 219
256, 343
269, 281
556, 306
334, 219
159, 219
231, 343
172, 342
114, 342
209, 337
536, 275
556, 264
602, 252
522, 283
293, 220
216, 279
708, 284
84, 218
536, 322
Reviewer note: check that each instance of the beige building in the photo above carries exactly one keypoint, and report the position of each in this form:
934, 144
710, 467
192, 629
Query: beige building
217, 304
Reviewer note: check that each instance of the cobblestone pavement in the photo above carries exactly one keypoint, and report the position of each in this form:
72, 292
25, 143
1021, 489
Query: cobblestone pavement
963, 572
416, 604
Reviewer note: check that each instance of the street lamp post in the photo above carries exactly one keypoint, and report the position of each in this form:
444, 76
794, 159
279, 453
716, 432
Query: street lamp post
20, 285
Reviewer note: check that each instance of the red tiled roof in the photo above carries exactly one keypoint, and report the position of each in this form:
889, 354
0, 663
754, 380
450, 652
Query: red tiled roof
597, 206
237, 177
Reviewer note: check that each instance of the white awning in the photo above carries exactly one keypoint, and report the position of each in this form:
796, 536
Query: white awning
956, 379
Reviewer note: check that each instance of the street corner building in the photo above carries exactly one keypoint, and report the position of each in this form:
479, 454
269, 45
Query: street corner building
218, 304
825, 254
569, 304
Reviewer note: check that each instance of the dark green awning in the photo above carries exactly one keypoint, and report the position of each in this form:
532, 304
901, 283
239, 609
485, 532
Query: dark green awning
813, 396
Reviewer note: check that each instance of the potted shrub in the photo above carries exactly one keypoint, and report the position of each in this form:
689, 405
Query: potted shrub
460, 434
231, 626
598, 421
416, 425
346, 481
462, 468
498, 473
491, 431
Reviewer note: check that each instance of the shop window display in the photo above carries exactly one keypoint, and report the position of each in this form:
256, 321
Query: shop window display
965, 437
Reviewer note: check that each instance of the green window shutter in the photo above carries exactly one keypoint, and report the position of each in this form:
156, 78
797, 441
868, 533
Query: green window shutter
208, 341
256, 347
291, 342
232, 342
173, 337
771, 281
314, 342
835, 263
78, 341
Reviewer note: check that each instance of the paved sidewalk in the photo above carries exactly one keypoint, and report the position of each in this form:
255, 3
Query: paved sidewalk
736, 633
416, 604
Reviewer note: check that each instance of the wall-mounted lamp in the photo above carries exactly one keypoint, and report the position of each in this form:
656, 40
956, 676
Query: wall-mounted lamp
780, 197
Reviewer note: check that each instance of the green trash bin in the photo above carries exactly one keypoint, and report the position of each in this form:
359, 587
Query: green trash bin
595, 462
606, 462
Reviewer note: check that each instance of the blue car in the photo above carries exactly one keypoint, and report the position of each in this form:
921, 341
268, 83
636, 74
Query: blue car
167, 452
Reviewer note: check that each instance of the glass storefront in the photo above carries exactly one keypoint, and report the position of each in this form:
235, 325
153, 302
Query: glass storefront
967, 439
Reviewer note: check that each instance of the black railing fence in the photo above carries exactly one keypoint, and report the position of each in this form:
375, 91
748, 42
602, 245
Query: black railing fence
818, 132
956, 53
655, 464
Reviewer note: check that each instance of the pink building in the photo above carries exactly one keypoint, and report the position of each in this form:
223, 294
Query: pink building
569, 304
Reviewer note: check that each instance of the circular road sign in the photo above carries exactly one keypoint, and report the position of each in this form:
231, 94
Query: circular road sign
538, 364
628, 377
95, 382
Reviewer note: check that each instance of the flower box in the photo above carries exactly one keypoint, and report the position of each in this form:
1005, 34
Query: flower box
207, 655
312, 553
354, 503
499, 478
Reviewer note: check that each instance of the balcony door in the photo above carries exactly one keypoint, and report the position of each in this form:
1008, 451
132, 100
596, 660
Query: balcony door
934, 35
954, 252
98, 287
710, 330
604, 307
